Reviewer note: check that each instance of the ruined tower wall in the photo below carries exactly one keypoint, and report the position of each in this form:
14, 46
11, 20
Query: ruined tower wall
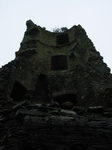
67, 63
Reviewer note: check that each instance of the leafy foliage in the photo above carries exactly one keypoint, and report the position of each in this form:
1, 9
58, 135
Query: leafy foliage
60, 30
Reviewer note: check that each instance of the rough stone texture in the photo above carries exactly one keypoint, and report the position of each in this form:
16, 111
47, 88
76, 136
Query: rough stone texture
56, 94
40, 127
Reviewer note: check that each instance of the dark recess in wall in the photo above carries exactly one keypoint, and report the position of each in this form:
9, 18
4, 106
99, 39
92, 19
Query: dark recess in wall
32, 32
66, 97
18, 91
59, 62
41, 88
62, 39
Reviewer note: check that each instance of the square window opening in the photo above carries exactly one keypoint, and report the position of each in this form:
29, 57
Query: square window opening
62, 39
59, 62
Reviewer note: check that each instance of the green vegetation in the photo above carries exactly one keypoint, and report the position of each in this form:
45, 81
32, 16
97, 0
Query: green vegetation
60, 30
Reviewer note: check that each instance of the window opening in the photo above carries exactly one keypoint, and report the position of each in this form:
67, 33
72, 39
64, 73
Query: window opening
18, 92
62, 39
59, 62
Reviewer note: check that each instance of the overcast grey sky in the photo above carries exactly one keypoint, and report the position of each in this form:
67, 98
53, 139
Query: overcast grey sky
95, 16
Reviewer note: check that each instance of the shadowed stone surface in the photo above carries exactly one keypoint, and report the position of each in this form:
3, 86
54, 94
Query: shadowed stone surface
56, 94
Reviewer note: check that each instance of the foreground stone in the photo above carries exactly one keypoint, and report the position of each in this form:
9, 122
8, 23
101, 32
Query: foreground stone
36, 129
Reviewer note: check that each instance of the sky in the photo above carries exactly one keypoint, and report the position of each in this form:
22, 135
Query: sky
95, 16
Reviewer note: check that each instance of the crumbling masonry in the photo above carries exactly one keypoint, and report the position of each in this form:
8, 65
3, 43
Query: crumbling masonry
56, 94
58, 66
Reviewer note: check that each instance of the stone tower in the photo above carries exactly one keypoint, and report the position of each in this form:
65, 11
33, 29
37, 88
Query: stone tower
59, 66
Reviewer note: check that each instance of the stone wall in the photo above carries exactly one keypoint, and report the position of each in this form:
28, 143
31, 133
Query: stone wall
56, 94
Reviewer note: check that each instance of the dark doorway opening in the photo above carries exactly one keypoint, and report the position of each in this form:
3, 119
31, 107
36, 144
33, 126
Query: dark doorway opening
62, 39
41, 91
18, 92
65, 98
59, 62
